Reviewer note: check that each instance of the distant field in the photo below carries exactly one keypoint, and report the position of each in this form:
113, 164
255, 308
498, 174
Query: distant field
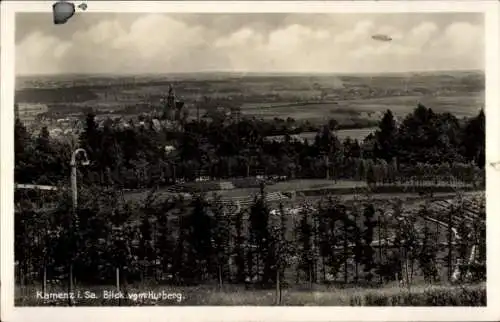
368, 108
358, 134
457, 104
251, 189
311, 189
311, 112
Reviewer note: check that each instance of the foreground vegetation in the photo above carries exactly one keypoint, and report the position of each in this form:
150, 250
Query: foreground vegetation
419, 295
177, 243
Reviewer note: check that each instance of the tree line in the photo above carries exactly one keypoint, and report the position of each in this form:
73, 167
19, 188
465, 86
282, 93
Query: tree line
134, 155
190, 242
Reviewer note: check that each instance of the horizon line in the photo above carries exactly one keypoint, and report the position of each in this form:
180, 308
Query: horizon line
284, 73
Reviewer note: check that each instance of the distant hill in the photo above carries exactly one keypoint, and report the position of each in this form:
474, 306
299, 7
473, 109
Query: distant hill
243, 87
26, 81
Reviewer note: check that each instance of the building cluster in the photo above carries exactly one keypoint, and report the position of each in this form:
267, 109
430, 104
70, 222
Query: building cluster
29, 113
34, 117
170, 114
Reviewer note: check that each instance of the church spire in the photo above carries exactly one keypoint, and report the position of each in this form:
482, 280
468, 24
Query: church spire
169, 105
171, 97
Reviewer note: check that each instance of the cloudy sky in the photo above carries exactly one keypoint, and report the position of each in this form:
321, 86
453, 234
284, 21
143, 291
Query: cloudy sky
175, 43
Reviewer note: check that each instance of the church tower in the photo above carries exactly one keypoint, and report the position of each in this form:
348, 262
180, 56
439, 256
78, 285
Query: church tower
170, 107
168, 104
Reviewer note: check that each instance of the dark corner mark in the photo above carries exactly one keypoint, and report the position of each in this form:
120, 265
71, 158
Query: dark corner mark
63, 11
495, 165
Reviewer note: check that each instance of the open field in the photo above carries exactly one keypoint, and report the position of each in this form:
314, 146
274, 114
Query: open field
321, 295
370, 108
457, 104
358, 134
245, 190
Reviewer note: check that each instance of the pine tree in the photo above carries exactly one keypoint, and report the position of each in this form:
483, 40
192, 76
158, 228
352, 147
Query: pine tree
183, 269
23, 154
221, 238
396, 257
121, 252
329, 147
371, 178
368, 233
90, 140
165, 242
305, 239
45, 161
259, 234
320, 241
346, 238
282, 250
358, 243
428, 250
199, 238
21, 135
239, 249
361, 170
410, 245
392, 171
332, 235
386, 135
473, 139
146, 237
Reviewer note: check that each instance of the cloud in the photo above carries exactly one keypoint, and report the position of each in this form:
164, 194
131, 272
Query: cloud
462, 38
39, 53
164, 43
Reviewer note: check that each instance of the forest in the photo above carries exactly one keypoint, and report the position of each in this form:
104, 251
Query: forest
134, 157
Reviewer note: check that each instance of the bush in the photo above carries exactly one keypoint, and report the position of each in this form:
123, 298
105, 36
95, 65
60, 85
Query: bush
445, 296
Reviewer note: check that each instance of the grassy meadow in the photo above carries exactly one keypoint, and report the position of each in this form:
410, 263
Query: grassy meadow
367, 108
234, 295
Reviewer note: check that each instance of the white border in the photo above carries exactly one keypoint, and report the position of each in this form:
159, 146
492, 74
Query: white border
492, 36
